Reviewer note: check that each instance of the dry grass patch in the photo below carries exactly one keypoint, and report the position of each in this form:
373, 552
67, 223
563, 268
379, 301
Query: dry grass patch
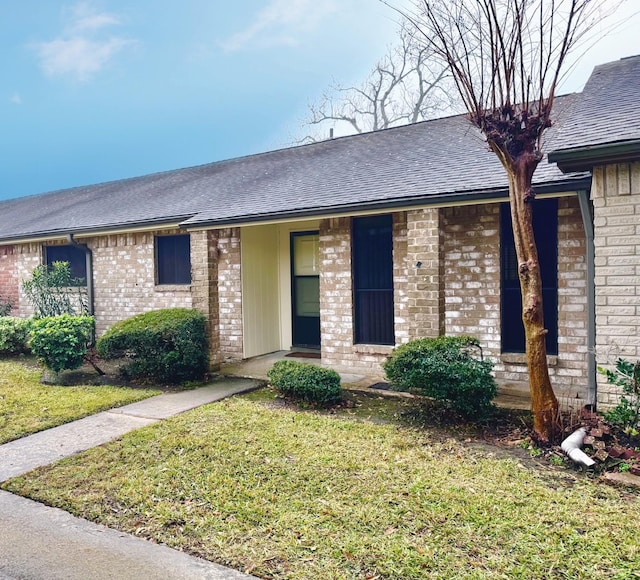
28, 406
286, 494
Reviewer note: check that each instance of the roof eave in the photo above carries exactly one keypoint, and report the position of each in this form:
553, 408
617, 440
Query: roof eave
441, 200
585, 158
84, 232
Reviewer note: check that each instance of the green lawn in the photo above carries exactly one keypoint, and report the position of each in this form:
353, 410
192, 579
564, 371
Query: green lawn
28, 406
281, 493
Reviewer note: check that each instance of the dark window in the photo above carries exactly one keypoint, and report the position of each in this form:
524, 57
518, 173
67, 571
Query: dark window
76, 258
545, 228
373, 279
173, 259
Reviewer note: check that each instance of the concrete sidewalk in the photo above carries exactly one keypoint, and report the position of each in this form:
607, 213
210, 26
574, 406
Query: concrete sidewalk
38, 542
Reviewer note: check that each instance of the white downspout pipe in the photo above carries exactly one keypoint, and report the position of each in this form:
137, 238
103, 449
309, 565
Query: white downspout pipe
571, 446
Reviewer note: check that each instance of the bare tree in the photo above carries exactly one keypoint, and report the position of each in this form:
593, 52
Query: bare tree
506, 58
409, 84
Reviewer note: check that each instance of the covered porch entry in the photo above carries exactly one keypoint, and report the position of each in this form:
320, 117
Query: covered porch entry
280, 272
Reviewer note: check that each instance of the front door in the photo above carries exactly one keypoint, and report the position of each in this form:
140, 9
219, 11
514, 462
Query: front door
305, 283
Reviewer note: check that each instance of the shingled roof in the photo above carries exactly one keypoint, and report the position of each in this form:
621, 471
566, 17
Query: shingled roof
439, 161
606, 119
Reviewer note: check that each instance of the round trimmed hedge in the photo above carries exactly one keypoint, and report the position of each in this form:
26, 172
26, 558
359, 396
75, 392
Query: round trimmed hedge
447, 369
305, 382
164, 346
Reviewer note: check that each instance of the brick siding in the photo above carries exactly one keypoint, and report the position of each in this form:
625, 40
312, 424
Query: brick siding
472, 294
9, 286
230, 294
616, 203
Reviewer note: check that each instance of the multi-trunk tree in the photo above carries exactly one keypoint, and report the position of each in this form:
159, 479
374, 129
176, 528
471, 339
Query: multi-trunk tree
506, 58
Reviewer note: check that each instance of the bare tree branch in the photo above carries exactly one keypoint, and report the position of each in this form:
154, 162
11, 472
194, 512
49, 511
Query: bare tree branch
409, 84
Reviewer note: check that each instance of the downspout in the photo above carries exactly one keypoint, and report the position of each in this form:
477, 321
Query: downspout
89, 263
587, 220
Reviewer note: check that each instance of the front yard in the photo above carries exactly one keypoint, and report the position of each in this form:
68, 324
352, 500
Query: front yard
281, 493
28, 406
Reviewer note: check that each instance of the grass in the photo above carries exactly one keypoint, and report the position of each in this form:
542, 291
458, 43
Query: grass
281, 493
28, 406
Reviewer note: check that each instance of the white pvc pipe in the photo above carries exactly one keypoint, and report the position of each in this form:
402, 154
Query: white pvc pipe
571, 446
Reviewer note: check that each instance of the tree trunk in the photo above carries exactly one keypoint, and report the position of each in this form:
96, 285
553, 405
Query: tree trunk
544, 404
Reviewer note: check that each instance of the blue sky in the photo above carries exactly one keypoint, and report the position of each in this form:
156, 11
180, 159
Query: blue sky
96, 90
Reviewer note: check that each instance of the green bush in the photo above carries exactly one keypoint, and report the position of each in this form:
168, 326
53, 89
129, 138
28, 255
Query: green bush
6, 306
306, 382
448, 370
14, 333
626, 414
167, 346
61, 342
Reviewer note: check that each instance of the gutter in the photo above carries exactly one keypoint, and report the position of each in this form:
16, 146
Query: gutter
584, 158
89, 263
587, 220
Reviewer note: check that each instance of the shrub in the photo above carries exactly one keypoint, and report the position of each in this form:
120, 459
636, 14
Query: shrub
447, 369
306, 382
54, 291
626, 414
167, 346
14, 333
6, 306
61, 342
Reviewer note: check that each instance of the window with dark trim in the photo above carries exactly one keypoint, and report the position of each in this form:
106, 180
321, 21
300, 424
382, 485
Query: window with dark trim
545, 228
173, 259
76, 258
373, 279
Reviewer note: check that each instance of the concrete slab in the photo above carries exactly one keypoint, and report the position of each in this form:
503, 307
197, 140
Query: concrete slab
39, 542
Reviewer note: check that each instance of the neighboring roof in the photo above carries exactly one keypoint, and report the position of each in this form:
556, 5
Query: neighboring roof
605, 124
434, 161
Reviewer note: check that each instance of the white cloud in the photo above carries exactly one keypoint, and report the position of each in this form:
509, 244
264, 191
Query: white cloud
84, 47
282, 22
16, 99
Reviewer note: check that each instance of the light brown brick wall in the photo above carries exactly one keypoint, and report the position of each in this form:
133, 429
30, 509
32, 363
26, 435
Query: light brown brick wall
124, 278
616, 202
28, 257
230, 293
336, 297
204, 287
9, 287
124, 282
472, 293
471, 243
425, 297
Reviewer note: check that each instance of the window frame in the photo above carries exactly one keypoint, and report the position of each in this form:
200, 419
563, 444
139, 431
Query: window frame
77, 266
178, 274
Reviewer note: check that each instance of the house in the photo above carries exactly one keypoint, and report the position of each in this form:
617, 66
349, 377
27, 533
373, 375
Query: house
357, 244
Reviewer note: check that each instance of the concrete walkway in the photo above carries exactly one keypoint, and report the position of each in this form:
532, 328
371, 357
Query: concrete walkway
38, 542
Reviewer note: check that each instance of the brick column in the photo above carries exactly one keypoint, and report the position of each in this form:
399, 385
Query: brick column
616, 203
9, 286
424, 294
336, 296
204, 287
230, 294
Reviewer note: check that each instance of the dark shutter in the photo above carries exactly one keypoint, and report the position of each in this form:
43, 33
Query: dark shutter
373, 279
545, 228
